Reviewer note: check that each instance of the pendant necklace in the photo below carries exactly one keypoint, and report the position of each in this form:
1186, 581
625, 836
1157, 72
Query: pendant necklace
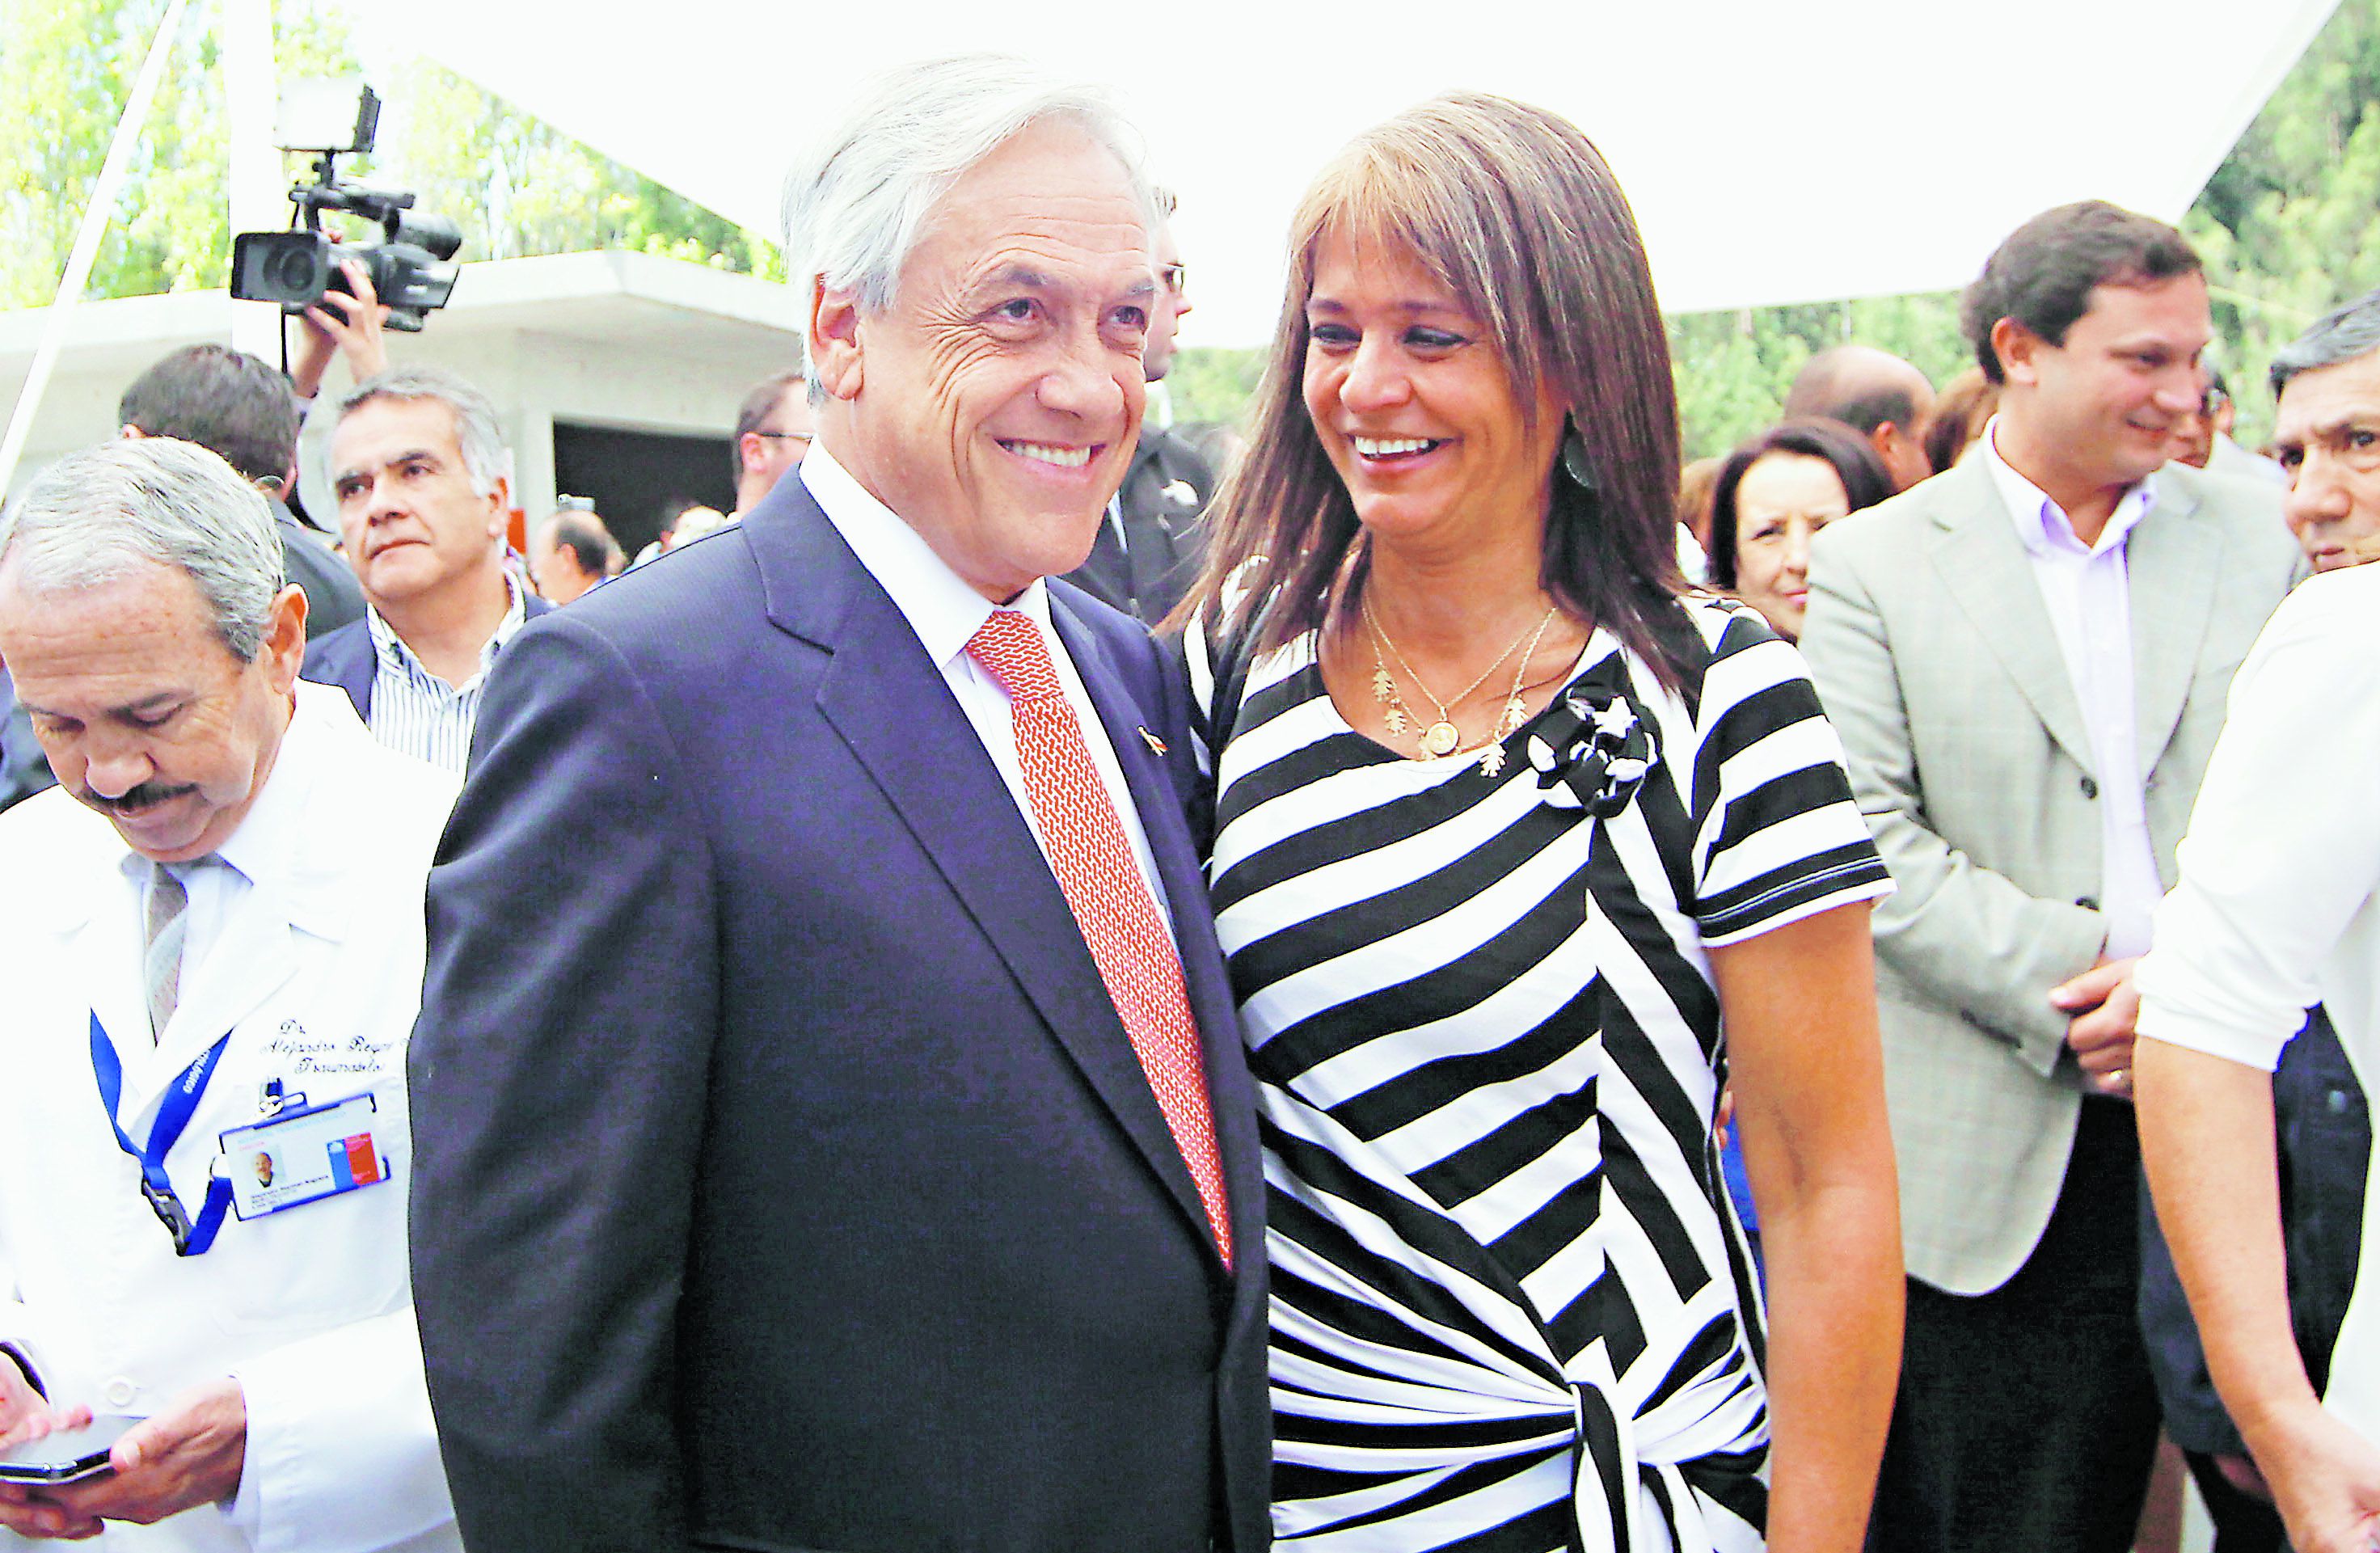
1515, 710
1442, 738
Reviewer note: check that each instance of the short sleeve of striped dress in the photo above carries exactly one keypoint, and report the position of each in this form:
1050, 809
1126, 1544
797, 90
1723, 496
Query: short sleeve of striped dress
1778, 835
1511, 1309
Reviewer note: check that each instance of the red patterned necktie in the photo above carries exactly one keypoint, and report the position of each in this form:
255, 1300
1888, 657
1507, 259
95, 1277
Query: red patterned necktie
1111, 902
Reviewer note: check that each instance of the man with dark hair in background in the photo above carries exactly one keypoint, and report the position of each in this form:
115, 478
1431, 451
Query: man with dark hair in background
1876, 393
571, 554
228, 401
2026, 657
1154, 540
772, 432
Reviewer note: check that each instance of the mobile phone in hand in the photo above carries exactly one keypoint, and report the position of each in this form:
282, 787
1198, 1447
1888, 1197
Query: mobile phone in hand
64, 1455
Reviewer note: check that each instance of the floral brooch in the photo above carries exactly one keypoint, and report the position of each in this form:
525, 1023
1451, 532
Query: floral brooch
1593, 750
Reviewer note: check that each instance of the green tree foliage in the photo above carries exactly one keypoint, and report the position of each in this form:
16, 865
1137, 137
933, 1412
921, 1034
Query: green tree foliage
518, 185
515, 185
1207, 383
66, 68
2287, 226
1732, 369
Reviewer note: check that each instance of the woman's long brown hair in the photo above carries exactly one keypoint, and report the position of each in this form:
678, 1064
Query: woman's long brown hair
1515, 211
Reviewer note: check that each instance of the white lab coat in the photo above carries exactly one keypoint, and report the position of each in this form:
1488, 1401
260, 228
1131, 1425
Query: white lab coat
316, 972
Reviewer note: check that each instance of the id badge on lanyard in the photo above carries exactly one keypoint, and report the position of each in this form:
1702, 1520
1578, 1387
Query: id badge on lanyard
287, 1160
191, 1237
303, 1155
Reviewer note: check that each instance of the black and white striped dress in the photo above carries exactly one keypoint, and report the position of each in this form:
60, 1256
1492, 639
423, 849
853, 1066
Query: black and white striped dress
1511, 1307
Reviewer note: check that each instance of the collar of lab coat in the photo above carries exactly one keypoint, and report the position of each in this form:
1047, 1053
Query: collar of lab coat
290, 847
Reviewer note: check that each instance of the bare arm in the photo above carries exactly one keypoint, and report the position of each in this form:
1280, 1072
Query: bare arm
2207, 1142
1800, 1006
2281, 862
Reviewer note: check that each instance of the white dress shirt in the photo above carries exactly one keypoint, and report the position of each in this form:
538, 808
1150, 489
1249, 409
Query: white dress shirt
2087, 590
946, 614
414, 710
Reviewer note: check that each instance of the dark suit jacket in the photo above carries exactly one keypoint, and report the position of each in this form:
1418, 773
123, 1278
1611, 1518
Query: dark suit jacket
2323, 1127
1164, 499
333, 598
785, 1177
344, 658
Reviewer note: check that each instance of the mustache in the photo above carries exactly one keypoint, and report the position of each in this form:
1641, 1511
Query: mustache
147, 796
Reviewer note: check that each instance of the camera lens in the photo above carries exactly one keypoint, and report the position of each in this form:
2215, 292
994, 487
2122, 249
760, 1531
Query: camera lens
293, 271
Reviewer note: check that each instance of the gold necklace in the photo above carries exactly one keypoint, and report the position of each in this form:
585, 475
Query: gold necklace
1442, 738
1515, 710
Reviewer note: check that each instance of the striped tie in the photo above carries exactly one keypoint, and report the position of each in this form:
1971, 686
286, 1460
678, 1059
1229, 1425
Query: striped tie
167, 898
1092, 858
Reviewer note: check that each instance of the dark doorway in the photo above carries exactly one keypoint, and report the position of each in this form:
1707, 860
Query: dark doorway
636, 478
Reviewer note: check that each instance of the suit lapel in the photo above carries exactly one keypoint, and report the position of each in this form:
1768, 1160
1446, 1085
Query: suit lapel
356, 675
1204, 981
1983, 566
2172, 564
889, 703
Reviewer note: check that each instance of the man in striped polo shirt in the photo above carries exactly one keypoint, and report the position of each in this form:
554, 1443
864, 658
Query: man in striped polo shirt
420, 472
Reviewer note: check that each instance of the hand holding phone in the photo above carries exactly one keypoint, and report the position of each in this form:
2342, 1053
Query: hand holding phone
64, 1455
29, 1426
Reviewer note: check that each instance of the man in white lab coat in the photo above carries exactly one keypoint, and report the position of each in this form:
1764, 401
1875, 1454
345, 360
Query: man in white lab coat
216, 956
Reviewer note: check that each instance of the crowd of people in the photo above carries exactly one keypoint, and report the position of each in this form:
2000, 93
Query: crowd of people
1000, 996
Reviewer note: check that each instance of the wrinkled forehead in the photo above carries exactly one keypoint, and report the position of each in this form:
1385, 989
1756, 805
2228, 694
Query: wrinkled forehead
146, 624
371, 426
2330, 399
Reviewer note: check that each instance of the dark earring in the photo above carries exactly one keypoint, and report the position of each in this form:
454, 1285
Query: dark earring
1574, 457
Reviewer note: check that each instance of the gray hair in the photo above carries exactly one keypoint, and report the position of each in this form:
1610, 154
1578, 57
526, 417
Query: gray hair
2352, 331
477, 432
856, 202
94, 515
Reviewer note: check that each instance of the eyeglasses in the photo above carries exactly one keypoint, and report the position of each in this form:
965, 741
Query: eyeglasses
1175, 276
783, 436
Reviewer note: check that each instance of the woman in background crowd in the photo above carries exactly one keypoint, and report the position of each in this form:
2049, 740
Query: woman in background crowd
1516, 851
1772, 496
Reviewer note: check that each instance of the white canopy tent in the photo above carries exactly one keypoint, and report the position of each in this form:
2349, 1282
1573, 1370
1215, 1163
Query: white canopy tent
1774, 151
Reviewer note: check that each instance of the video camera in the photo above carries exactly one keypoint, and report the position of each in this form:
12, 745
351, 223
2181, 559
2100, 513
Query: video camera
411, 264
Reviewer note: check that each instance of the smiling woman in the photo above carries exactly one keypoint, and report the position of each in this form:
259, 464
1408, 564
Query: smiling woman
1497, 948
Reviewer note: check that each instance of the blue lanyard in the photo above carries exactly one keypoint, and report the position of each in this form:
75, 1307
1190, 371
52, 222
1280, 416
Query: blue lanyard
173, 1119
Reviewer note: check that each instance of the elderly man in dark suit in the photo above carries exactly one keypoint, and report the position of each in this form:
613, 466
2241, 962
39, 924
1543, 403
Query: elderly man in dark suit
854, 1150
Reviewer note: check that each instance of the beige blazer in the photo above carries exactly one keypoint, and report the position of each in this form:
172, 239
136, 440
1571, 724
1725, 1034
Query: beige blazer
1938, 665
